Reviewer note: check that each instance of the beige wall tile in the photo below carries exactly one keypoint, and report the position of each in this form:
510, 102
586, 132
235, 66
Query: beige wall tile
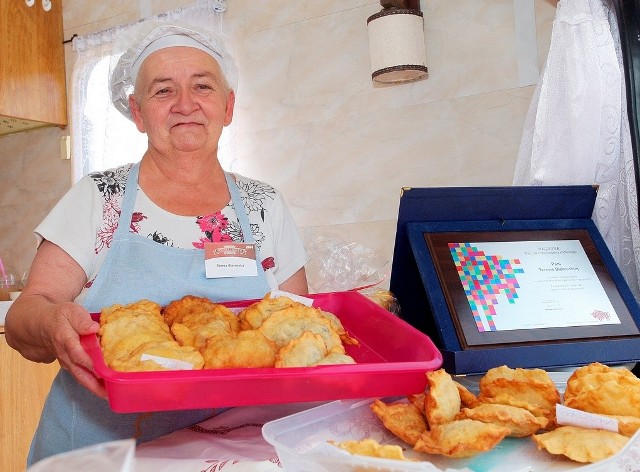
33, 178
308, 75
246, 16
160, 6
350, 169
310, 121
77, 13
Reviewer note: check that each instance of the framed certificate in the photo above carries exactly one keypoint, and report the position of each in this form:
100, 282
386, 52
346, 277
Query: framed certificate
527, 286
524, 293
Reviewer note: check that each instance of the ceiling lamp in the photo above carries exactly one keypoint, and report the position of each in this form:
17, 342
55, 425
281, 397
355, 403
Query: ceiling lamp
396, 42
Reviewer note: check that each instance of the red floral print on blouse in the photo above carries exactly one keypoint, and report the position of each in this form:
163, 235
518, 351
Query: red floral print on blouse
136, 218
213, 226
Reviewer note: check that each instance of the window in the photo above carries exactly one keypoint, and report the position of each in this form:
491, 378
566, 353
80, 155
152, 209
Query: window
109, 139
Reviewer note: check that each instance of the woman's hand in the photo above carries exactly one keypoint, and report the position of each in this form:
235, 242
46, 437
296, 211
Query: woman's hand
67, 324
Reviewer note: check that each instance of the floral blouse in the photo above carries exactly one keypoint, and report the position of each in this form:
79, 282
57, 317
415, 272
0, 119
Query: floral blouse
84, 220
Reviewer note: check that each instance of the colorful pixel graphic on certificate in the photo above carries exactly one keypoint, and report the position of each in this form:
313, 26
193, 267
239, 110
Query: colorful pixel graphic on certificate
484, 277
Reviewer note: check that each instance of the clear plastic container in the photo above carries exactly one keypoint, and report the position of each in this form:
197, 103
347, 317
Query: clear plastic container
301, 442
9, 283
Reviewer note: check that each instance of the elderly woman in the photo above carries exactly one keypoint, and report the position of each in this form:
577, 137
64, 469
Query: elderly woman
139, 231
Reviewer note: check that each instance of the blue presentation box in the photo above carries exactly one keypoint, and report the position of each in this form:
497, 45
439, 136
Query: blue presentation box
432, 298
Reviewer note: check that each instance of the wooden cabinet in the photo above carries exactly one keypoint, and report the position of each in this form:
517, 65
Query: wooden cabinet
32, 69
24, 386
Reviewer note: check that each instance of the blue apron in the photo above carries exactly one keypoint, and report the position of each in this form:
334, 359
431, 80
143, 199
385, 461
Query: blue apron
136, 268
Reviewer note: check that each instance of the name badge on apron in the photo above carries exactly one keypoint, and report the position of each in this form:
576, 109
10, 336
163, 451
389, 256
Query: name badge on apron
230, 260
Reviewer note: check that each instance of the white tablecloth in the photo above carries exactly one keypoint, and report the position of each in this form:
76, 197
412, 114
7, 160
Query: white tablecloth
229, 442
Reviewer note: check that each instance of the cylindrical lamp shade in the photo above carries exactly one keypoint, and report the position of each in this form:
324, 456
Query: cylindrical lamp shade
396, 45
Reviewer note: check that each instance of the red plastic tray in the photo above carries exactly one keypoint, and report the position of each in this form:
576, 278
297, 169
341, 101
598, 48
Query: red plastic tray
392, 359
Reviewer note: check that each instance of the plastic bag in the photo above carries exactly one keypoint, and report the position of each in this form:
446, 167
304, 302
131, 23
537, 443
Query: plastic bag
114, 456
336, 265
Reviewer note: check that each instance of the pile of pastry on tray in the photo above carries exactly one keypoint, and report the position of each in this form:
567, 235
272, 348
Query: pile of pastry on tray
196, 333
449, 420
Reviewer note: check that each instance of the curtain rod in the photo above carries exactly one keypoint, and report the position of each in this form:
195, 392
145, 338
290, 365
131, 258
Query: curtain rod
70, 39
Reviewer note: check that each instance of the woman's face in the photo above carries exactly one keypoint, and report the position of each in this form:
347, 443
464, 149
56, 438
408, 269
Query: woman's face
181, 100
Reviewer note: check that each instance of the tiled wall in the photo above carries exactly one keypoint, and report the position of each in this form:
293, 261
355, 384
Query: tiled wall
309, 120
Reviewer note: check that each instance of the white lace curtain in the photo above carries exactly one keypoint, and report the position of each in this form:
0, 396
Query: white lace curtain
577, 130
101, 137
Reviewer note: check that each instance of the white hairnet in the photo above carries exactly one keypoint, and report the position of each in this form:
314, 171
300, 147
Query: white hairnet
134, 46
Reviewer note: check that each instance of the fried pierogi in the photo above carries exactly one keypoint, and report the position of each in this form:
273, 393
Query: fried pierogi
197, 334
627, 425
127, 332
461, 438
129, 342
581, 444
288, 324
404, 420
247, 348
467, 398
447, 419
193, 320
123, 322
535, 410
442, 399
178, 310
418, 400
334, 358
520, 421
273, 332
127, 320
158, 356
590, 376
307, 350
253, 315
531, 385
141, 307
610, 398
336, 325
597, 388
371, 448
